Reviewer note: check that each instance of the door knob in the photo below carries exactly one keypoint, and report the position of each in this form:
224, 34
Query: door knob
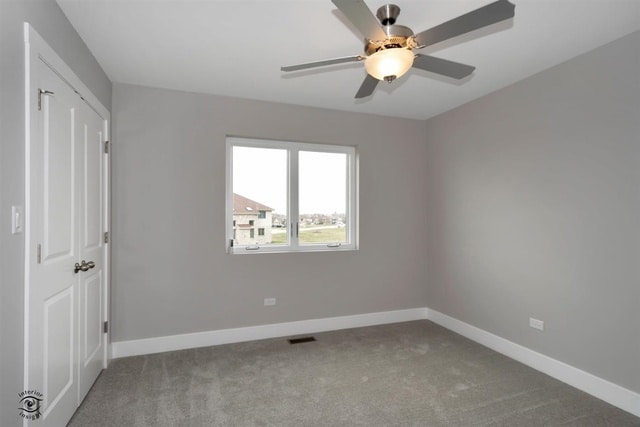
83, 266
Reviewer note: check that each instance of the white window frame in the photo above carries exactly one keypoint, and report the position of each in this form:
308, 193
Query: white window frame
293, 196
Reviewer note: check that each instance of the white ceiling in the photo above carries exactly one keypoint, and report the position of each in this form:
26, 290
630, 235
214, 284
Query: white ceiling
236, 48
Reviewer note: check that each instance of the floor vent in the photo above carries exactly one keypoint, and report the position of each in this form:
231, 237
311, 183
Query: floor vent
301, 340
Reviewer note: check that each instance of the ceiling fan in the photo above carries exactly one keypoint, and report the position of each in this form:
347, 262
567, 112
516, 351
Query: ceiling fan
389, 47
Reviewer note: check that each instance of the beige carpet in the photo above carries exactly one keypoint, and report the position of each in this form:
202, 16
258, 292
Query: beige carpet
404, 374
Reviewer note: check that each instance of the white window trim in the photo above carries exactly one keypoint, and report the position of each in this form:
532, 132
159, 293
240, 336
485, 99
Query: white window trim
292, 191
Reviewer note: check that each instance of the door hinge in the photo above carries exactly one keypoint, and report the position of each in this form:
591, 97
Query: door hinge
105, 327
40, 93
106, 237
39, 254
106, 147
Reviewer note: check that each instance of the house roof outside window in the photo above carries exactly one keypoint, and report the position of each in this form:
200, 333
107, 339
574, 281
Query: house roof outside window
245, 206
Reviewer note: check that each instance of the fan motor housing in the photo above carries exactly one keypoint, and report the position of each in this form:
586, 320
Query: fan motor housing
398, 36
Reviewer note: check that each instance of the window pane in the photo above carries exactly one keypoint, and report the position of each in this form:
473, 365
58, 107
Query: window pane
259, 196
279, 186
322, 197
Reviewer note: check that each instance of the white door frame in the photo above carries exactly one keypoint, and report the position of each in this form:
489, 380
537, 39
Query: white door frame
36, 49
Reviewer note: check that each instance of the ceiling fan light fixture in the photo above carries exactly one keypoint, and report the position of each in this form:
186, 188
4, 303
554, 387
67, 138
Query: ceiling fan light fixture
388, 47
389, 64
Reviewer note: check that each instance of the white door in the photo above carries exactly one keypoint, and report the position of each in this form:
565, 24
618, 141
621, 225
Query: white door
91, 247
65, 285
52, 290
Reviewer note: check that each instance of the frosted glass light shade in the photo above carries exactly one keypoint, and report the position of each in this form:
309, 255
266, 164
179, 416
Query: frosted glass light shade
389, 62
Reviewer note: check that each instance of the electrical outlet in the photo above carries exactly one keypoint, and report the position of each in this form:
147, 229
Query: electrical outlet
536, 324
269, 301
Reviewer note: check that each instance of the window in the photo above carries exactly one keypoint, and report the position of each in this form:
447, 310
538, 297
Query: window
302, 197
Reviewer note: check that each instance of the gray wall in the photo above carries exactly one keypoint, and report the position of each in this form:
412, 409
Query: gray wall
171, 274
52, 25
534, 211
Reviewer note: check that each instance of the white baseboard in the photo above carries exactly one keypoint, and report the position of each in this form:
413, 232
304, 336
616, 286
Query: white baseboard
595, 386
602, 389
227, 336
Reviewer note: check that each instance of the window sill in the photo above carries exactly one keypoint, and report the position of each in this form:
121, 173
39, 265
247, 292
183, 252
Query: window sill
289, 250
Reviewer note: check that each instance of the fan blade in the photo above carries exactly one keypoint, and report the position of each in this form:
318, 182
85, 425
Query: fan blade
323, 63
361, 17
447, 68
367, 87
486, 15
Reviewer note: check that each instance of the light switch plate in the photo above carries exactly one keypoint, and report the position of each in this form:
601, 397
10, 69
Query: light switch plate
17, 220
